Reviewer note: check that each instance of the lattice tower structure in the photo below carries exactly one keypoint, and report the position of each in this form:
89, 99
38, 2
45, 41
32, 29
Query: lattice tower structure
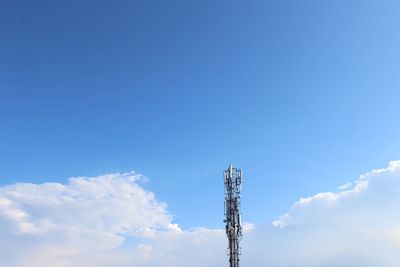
233, 225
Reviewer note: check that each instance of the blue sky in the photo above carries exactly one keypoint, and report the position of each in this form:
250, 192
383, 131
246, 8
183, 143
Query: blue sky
302, 95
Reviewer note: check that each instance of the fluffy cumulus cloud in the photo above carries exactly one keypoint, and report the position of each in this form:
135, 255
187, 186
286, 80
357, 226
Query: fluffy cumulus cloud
358, 225
54, 224
111, 220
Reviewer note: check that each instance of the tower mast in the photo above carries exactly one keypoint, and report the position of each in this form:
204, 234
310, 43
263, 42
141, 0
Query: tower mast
233, 225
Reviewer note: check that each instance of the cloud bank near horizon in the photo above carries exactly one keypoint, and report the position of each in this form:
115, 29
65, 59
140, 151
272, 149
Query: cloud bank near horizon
111, 220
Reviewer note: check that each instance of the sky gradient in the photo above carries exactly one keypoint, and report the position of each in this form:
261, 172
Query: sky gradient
302, 95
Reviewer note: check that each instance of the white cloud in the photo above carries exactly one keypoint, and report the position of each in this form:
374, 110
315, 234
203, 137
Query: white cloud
111, 220
54, 224
375, 192
355, 226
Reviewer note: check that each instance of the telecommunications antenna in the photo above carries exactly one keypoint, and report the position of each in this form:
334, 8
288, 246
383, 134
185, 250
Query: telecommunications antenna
233, 225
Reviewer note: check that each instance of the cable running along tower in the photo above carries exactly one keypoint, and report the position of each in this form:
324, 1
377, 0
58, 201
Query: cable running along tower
233, 225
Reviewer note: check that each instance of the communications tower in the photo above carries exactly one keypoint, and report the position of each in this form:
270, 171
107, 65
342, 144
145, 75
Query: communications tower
233, 225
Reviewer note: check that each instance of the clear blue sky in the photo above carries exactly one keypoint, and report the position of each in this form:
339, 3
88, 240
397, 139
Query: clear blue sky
303, 95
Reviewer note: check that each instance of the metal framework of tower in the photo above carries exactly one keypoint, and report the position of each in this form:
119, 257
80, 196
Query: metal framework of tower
233, 225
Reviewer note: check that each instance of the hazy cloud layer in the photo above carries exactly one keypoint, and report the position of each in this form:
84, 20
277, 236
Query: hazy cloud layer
111, 220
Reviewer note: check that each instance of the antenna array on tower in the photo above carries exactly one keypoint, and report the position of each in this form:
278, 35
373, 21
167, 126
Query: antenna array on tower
233, 182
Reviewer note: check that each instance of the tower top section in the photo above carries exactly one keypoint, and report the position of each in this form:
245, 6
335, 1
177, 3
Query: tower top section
233, 224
